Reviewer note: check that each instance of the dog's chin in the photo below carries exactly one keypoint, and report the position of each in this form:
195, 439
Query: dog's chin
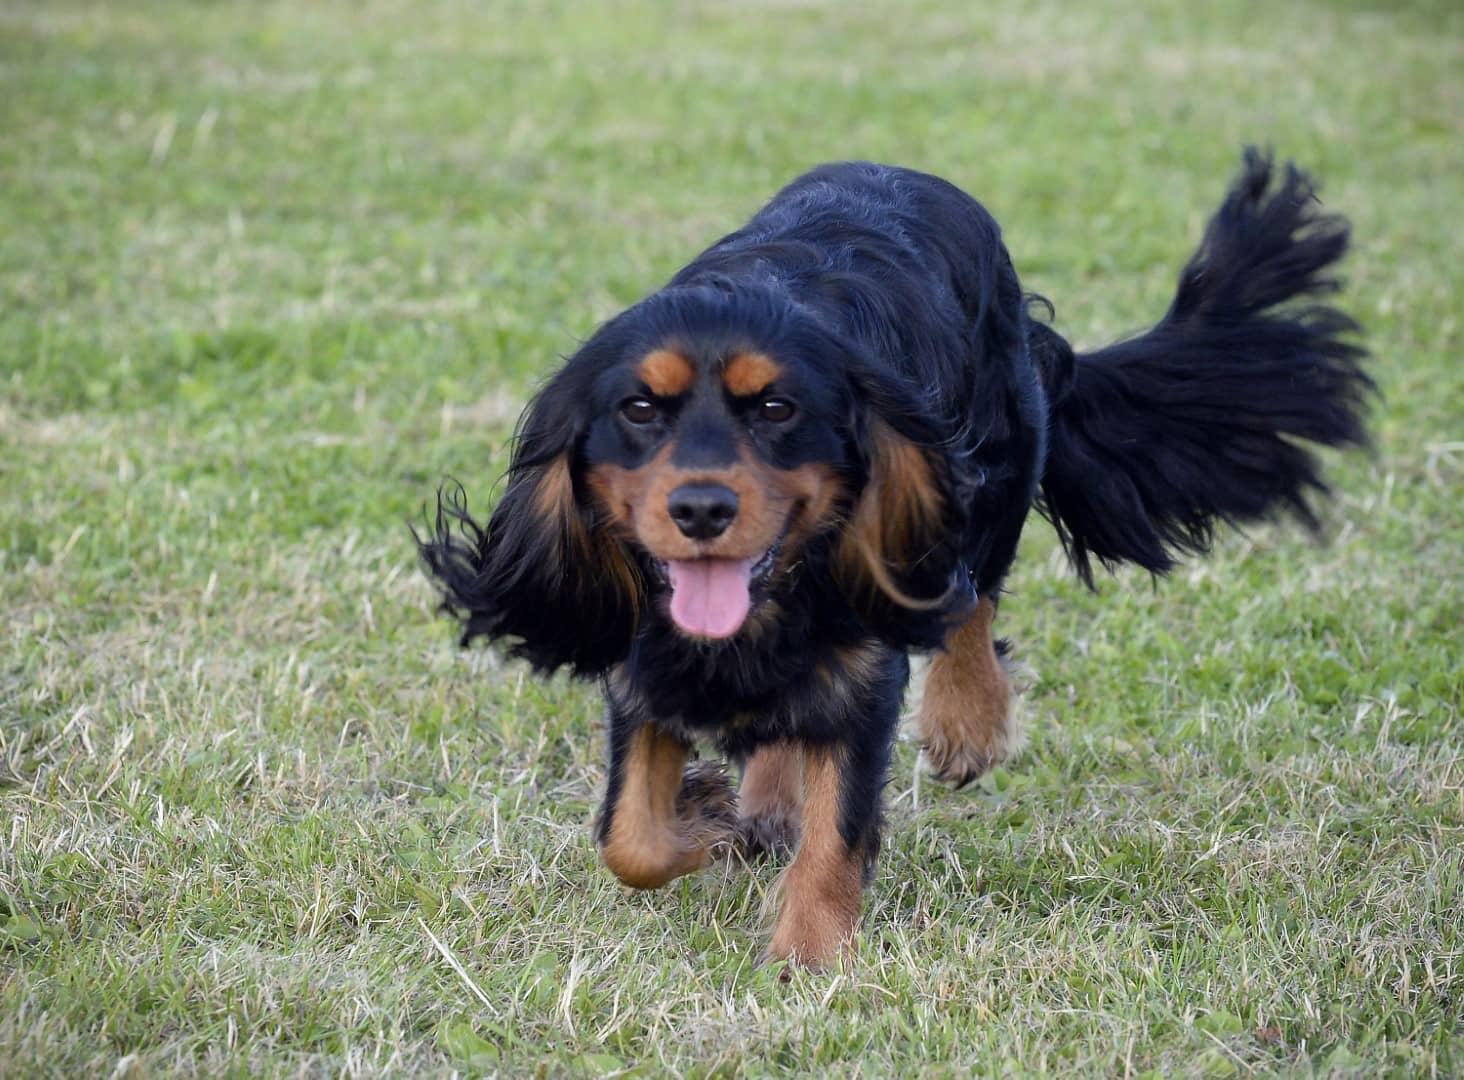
710, 599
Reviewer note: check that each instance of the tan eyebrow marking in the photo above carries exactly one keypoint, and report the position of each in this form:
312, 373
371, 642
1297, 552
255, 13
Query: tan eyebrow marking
747, 374
666, 373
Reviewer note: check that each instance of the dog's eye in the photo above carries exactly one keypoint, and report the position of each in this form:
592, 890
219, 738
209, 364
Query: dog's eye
639, 411
776, 410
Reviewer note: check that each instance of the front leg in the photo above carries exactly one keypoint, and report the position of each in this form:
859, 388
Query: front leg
660, 818
845, 758
770, 799
823, 890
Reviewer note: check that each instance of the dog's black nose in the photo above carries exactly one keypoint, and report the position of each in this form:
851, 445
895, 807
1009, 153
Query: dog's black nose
702, 511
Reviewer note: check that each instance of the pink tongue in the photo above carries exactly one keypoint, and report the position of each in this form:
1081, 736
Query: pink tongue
709, 597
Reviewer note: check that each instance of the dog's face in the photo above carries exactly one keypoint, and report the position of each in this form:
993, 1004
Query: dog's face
692, 462
718, 463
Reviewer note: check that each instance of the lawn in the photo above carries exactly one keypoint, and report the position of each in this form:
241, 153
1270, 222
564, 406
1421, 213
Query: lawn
270, 272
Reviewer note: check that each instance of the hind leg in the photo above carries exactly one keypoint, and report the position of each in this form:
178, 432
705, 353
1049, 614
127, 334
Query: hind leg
966, 722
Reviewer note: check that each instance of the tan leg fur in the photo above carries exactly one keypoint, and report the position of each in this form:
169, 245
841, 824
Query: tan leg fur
667, 817
965, 721
771, 799
823, 890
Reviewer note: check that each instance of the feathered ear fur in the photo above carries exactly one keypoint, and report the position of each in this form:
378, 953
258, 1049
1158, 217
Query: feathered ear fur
898, 561
545, 573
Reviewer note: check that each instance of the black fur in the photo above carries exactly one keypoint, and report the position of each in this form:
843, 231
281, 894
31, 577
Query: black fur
891, 304
1157, 439
519, 578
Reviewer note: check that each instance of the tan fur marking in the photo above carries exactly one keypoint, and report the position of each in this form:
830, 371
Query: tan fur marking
905, 475
772, 784
637, 499
748, 374
823, 890
817, 488
965, 720
554, 491
648, 843
666, 373
898, 512
593, 557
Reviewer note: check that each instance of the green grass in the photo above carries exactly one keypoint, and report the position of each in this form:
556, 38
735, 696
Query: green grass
269, 272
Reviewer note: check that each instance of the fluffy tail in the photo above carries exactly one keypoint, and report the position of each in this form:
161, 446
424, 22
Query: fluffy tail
1156, 440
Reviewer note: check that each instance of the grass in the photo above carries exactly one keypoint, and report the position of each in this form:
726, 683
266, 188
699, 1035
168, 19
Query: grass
269, 272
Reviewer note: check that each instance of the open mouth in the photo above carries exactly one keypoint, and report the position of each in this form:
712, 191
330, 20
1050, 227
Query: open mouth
710, 598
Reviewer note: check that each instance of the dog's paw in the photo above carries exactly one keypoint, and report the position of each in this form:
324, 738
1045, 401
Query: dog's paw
820, 942
958, 751
957, 764
773, 834
707, 806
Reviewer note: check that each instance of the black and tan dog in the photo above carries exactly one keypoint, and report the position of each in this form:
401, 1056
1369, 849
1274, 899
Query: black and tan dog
748, 498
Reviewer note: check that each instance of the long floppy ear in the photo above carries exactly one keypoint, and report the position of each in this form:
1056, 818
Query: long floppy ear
898, 561
544, 573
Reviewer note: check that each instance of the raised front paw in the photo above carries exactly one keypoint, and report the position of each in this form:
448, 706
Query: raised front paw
666, 820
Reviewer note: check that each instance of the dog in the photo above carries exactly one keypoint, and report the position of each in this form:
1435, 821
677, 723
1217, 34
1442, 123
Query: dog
749, 498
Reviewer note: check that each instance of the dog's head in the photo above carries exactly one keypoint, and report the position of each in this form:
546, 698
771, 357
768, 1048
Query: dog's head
701, 456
